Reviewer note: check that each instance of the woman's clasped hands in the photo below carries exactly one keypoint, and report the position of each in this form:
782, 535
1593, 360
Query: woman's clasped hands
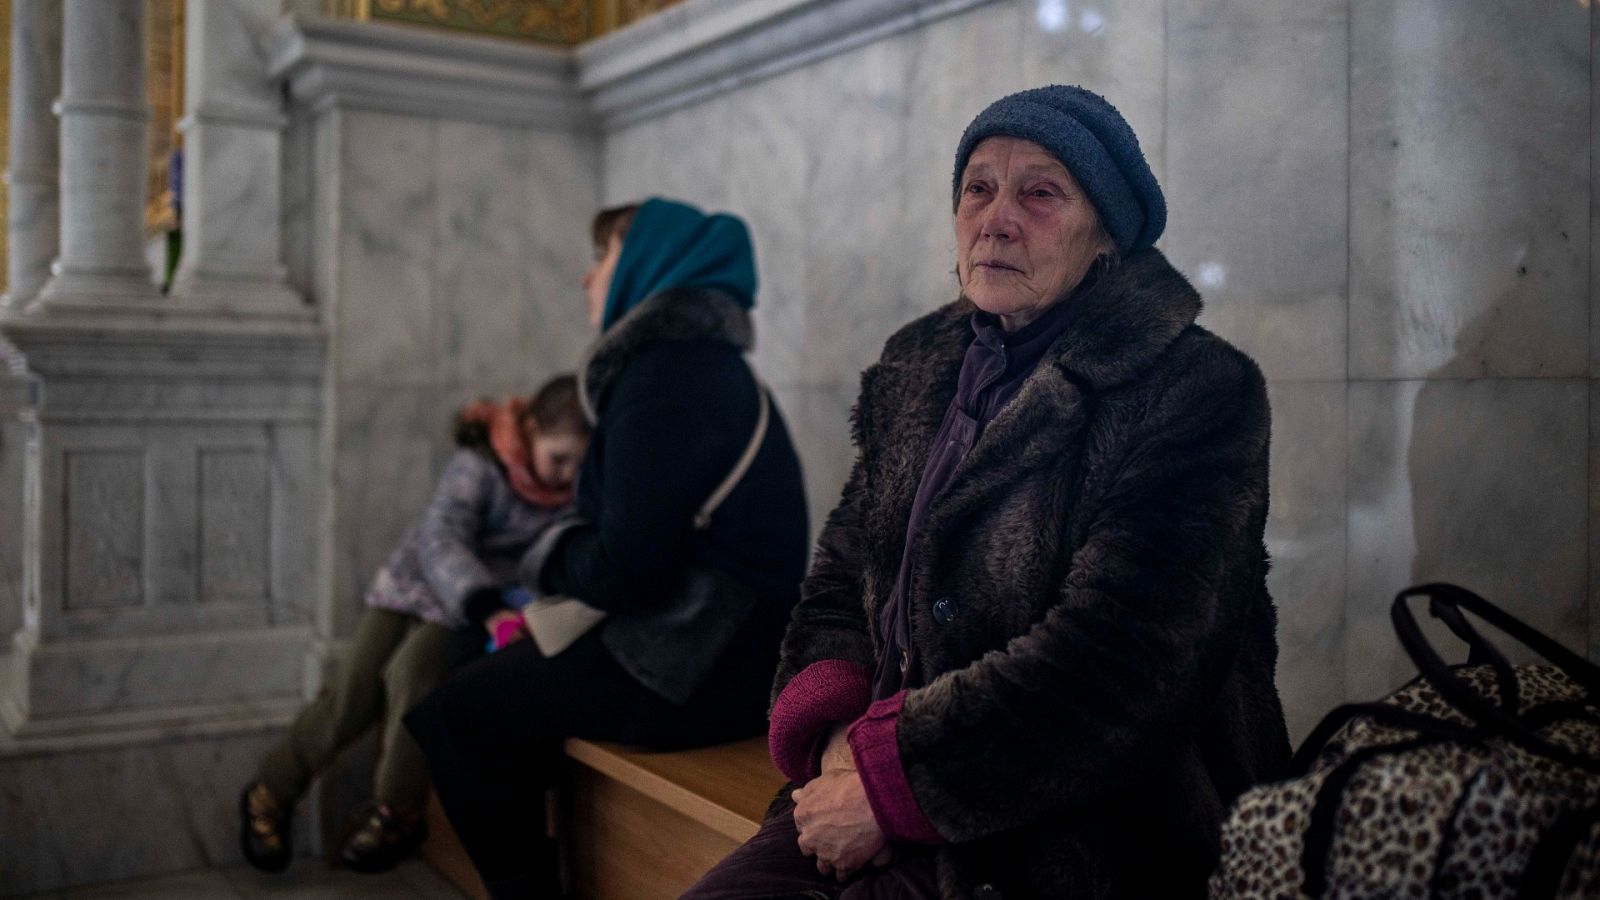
835, 820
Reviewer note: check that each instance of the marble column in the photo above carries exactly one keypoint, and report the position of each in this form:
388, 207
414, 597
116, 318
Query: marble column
103, 120
233, 140
33, 217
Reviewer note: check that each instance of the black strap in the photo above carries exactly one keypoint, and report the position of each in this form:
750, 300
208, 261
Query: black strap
1480, 651
1579, 669
1461, 695
1448, 841
1546, 714
1324, 813
1541, 878
1382, 714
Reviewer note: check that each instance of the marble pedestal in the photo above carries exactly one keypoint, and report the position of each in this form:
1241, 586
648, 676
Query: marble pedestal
169, 486
168, 552
91, 808
17, 391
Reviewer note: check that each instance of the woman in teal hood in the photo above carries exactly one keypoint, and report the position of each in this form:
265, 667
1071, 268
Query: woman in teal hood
696, 594
670, 245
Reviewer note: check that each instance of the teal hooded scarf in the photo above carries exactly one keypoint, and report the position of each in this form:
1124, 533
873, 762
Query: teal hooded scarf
673, 245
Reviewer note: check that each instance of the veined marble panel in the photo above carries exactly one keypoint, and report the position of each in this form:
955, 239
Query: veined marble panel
238, 217
564, 182
1257, 192
767, 162
326, 217
386, 249
692, 148
1472, 482
82, 685
295, 501
1116, 48
819, 423
1470, 144
174, 535
13, 447
231, 73
483, 195
857, 272
205, 524
235, 496
101, 813
105, 558
1306, 540
631, 157
384, 473
957, 67
299, 161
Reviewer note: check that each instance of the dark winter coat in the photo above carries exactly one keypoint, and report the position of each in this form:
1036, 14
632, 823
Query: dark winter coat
675, 406
1102, 684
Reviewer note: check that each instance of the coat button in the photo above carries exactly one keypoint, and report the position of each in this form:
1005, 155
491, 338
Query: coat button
944, 609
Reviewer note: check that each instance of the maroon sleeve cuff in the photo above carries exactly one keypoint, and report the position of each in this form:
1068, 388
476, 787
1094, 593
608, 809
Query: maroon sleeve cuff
875, 745
824, 694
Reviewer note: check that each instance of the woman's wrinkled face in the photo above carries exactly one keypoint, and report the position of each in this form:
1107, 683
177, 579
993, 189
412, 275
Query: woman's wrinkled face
1026, 233
597, 281
555, 456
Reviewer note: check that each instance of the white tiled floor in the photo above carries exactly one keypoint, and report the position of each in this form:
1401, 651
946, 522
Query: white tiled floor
309, 879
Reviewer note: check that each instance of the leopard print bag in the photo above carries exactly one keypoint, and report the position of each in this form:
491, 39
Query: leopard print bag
1480, 781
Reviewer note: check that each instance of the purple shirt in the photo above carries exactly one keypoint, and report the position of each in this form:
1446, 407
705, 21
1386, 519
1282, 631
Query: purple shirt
992, 372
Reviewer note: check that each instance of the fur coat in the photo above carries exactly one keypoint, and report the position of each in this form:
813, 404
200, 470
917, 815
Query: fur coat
1101, 686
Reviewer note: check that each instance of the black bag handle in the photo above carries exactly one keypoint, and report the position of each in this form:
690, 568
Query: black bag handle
1480, 652
1461, 695
1378, 713
1330, 797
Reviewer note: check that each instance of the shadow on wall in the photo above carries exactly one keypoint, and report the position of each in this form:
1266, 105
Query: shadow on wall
1494, 494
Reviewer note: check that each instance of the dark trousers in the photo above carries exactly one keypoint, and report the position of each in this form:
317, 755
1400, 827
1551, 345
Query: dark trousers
492, 734
770, 866
394, 661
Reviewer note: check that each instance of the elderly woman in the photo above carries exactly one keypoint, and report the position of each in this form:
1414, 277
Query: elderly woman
696, 604
1034, 655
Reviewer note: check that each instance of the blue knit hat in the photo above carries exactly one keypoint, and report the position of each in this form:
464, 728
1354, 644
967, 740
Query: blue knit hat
1096, 145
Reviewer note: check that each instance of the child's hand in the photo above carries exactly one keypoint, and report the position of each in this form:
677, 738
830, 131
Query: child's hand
505, 627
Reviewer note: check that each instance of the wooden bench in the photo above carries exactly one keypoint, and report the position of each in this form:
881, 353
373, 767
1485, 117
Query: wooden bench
642, 825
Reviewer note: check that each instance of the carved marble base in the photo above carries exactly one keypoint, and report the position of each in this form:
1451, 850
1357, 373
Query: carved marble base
59, 687
96, 291
169, 488
84, 810
268, 296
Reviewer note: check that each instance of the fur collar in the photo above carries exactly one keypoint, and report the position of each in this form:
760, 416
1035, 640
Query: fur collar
1125, 321
681, 314
1118, 326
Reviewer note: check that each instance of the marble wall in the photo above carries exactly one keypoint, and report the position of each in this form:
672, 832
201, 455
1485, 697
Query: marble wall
13, 446
1388, 203
447, 256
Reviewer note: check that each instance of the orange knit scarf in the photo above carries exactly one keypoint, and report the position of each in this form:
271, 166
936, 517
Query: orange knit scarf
511, 447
